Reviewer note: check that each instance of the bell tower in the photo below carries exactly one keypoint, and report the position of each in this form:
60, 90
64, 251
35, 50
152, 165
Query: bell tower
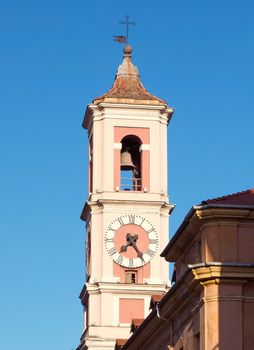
127, 210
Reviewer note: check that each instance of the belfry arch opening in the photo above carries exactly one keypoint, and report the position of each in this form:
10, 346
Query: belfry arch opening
130, 165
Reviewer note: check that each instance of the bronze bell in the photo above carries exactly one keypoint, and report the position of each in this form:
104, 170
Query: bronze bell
126, 161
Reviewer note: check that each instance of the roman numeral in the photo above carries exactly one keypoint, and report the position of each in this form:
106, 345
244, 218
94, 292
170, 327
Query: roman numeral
151, 230
153, 241
150, 252
112, 251
119, 260
120, 220
131, 263
111, 229
141, 222
109, 240
131, 219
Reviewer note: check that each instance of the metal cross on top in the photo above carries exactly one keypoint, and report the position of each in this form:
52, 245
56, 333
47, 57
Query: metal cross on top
127, 23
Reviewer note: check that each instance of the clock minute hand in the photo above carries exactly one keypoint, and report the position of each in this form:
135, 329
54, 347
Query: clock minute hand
132, 240
140, 254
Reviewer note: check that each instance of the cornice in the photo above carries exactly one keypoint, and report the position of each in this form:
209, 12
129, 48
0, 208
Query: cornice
101, 111
159, 107
134, 196
219, 211
201, 215
123, 289
96, 343
104, 205
219, 272
156, 203
131, 201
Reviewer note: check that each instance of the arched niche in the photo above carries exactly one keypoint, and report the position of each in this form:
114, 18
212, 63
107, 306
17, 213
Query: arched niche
130, 164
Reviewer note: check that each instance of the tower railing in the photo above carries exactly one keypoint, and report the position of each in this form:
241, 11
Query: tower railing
130, 184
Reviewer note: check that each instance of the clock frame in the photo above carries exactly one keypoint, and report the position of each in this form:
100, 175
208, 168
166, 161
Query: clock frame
131, 241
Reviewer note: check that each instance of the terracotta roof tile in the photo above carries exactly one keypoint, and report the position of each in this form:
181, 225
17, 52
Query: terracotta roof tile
127, 87
136, 322
156, 298
121, 342
239, 198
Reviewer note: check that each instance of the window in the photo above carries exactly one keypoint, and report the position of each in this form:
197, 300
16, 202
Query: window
130, 277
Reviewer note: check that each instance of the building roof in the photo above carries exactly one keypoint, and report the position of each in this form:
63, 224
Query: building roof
238, 198
127, 87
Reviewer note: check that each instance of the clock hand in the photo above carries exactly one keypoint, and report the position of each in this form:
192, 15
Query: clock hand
128, 243
135, 238
131, 240
124, 248
139, 253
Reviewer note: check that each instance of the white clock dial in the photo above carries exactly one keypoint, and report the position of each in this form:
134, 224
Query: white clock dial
131, 240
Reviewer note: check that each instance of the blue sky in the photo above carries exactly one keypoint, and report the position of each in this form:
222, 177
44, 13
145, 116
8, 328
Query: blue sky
56, 56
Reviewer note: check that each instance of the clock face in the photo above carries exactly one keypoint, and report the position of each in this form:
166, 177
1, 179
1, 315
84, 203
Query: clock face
131, 241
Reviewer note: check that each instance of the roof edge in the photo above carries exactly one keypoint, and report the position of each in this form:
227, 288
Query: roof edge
191, 214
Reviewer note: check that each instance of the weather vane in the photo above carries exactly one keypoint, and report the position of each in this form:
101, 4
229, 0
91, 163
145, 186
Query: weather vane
124, 38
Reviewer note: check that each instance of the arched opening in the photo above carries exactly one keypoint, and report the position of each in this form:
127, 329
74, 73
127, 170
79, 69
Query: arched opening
130, 165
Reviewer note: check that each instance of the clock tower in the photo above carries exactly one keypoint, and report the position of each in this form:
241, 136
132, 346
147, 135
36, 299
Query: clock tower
127, 210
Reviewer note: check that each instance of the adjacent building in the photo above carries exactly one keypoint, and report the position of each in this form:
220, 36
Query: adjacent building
211, 304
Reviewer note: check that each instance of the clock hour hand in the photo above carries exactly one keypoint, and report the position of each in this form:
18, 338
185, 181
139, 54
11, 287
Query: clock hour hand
128, 243
124, 248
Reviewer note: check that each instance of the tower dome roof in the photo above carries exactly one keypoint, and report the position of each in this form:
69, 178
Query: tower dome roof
127, 87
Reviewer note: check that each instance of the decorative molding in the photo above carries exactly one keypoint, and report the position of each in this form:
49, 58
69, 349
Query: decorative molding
126, 106
144, 147
118, 146
223, 274
231, 213
124, 289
